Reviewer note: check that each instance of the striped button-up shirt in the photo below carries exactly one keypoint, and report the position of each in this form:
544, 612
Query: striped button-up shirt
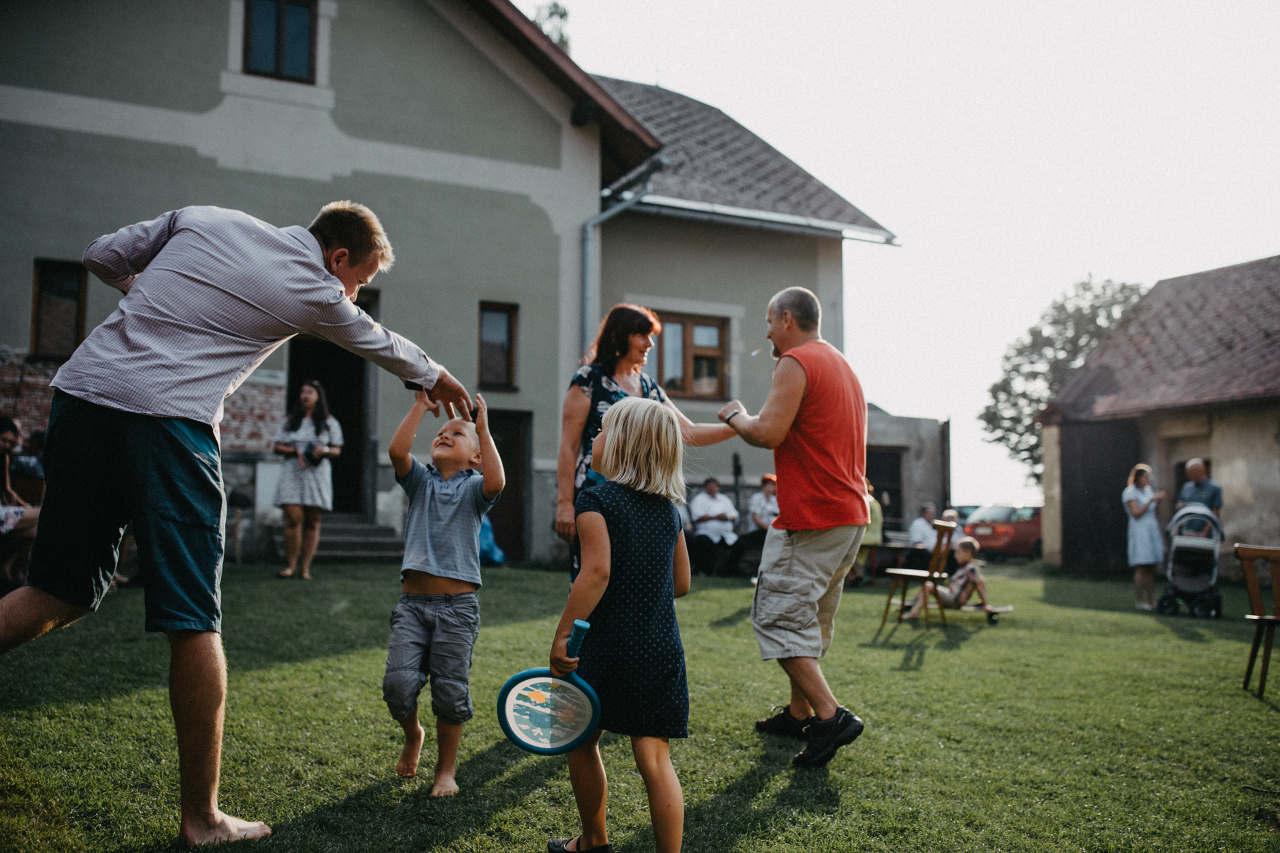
209, 294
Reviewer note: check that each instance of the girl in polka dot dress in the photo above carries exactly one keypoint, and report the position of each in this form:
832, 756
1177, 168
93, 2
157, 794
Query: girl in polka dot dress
634, 566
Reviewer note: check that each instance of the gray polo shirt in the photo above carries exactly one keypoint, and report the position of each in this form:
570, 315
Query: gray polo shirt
1208, 493
442, 528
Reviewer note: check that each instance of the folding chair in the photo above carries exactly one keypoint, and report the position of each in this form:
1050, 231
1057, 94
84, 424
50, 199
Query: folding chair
901, 578
1266, 623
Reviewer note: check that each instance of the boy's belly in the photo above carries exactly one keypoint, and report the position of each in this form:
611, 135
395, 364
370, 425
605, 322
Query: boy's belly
425, 583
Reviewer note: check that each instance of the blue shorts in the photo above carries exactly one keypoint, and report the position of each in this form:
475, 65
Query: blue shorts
105, 468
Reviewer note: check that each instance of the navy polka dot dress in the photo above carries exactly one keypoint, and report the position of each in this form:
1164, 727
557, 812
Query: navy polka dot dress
632, 655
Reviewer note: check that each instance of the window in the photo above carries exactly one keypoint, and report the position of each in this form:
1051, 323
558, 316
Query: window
280, 39
498, 345
690, 355
57, 308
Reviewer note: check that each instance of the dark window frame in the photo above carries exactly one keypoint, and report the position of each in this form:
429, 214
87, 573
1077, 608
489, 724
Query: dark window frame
689, 352
82, 298
278, 73
512, 310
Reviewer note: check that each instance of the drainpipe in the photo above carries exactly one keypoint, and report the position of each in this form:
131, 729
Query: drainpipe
591, 311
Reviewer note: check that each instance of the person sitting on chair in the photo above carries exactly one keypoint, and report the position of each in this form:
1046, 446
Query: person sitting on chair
966, 578
762, 509
714, 517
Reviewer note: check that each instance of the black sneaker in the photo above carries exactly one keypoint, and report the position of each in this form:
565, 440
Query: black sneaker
826, 736
782, 723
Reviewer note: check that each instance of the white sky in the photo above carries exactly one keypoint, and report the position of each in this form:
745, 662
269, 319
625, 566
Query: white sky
1013, 147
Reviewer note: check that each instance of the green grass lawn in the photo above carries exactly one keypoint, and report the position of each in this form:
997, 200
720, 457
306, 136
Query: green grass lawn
1077, 723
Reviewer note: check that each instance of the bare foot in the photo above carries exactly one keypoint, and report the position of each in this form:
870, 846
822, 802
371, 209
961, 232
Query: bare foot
407, 766
287, 573
223, 829
306, 576
445, 785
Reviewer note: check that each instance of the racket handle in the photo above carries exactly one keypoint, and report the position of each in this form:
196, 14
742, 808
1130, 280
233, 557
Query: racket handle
580, 629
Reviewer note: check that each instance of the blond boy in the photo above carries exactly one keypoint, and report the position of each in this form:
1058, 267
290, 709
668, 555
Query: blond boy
966, 579
435, 625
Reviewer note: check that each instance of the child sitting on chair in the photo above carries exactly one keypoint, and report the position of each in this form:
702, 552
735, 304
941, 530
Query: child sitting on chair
435, 625
964, 580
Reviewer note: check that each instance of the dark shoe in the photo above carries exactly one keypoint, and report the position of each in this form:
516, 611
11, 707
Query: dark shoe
826, 736
561, 845
784, 724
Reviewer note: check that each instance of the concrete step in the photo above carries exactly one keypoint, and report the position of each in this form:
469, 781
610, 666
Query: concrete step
347, 537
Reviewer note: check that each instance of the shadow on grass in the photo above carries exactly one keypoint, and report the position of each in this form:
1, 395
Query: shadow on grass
266, 622
732, 813
921, 640
381, 817
736, 618
1089, 593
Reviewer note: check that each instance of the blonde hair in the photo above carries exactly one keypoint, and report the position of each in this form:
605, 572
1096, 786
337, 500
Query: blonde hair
642, 448
1133, 475
352, 226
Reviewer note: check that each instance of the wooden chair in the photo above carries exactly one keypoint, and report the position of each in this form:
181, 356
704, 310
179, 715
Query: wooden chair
901, 578
1266, 623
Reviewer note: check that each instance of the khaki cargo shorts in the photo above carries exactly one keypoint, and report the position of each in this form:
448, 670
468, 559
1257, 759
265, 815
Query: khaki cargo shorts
801, 576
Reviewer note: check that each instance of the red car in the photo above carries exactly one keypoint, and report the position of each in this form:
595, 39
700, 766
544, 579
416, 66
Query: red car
1012, 531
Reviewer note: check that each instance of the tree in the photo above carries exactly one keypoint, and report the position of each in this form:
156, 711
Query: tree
1038, 365
551, 18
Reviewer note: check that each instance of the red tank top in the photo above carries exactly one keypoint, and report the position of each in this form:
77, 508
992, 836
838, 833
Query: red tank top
821, 464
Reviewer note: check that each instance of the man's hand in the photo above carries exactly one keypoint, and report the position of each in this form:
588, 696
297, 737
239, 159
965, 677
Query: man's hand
729, 408
450, 393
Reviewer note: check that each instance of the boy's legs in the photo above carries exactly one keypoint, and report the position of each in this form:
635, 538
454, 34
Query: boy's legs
407, 766
448, 736
590, 791
666, 799
456, 626
406, 675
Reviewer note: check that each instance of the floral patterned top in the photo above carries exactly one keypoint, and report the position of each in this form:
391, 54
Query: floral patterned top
604, 393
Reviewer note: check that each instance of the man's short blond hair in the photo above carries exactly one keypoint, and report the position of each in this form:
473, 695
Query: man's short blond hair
352, 226
642, 448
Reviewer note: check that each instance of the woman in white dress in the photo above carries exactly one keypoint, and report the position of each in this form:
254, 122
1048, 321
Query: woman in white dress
308, 439
1146, 543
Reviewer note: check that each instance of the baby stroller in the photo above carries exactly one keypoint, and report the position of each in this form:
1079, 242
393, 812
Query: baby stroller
1192, 563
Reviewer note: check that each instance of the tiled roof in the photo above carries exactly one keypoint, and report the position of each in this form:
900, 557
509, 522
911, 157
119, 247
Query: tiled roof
713, 160
1205, 339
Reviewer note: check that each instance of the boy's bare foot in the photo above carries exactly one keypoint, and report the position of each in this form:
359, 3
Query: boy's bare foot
223, 829
306, 576
287, 573
445, 785
407, 766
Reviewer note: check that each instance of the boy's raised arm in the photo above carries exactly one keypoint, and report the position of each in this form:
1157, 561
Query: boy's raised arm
401, 448
495, 477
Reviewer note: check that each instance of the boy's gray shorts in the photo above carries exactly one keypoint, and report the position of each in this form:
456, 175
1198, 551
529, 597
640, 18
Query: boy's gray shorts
431, 639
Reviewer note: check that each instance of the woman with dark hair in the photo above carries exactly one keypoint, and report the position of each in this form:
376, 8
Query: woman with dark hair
308, 439
1146, 543
614, 370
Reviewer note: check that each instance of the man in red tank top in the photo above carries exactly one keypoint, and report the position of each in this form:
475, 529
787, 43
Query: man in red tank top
815, 421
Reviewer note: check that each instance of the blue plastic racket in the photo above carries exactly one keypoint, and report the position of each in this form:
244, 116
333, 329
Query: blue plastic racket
544, 713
